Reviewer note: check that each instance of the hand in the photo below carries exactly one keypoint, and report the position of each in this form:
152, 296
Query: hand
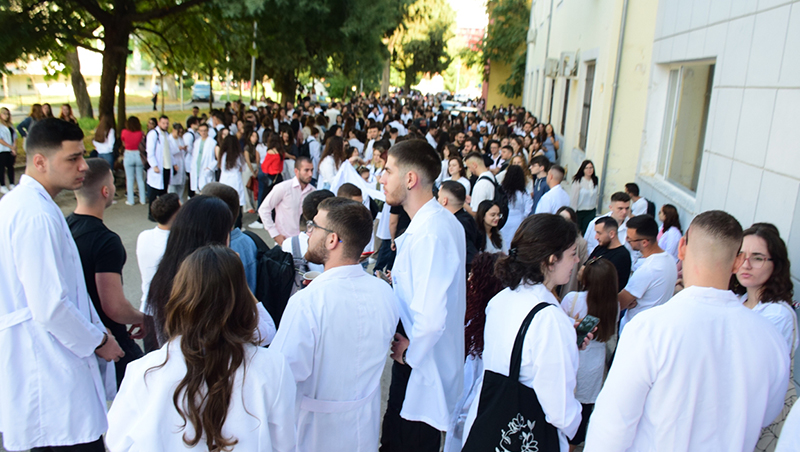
633, 304
394, 247
111, 350
468, 200
137, 331
399, 346
588, 337
279, 239
157, 170
175, 167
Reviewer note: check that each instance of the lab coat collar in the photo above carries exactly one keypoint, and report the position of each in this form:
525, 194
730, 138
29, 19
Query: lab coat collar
538, 291
343, 272
28, 181
420, 220
710, 295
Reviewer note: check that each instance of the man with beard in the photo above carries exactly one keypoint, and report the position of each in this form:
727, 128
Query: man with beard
286, 199
335, 334
429, 278
609, 247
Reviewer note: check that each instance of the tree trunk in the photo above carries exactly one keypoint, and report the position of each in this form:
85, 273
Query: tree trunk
385, 77
408, 80
121, 113
169, 87
210, 91
286, 84
79, 85
114, 58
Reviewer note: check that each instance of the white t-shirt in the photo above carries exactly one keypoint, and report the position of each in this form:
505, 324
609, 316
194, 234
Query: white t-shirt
150, 248
782, 316
639, 207
652, 284
592, 360
483, 190
669, 241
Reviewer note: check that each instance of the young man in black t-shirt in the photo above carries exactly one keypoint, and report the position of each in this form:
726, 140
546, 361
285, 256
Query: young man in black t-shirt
609, 247
103, 257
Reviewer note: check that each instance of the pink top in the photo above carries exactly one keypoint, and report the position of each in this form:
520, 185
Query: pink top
286, 199
131, 140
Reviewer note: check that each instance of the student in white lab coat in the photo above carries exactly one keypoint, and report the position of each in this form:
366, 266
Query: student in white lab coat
204, 160
335, 334
556, 197
701, 372
542, 256
430, 282
53, 345
162, 158
158, 406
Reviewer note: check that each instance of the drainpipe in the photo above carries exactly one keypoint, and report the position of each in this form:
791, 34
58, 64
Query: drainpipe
613, 103
546, 56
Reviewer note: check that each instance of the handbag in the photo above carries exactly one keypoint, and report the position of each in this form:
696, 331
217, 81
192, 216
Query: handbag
251, 183
510, 418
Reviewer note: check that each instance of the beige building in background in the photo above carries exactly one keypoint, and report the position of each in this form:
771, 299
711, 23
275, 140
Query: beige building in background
570, 77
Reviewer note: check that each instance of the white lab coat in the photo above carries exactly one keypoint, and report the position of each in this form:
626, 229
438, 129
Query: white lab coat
178, 178
336, 334
208, 161
51, 392
553, 200
701, 372
155, 157
260, 415
430, 282
473, 378
549, 354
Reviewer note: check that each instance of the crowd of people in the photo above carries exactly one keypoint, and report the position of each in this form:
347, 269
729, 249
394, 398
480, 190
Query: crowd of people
493, 281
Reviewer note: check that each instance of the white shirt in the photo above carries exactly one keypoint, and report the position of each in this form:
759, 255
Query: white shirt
431, 139
314, 153
303, 240
549, 354
554, 199
583, 195
622, 233
652, 284
150, 248
691, 376
519, 206
358, 145
207, 162
593, 359
669, 241
639, 207
327, 171
107, 146
782, 316
336, 334
429, 278
49, 328
260, 416
483, 190
155, 157
331, 114
463, 181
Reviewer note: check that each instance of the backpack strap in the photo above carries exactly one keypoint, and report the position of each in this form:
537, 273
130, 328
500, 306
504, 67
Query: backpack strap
296, 254
516, 353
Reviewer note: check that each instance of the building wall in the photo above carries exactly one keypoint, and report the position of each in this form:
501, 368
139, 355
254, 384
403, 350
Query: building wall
591, 30
751, 149
498, 73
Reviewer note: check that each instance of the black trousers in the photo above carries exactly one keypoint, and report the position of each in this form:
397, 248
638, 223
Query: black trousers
385, 256
402, 435
7, 164
94, 446
153, 193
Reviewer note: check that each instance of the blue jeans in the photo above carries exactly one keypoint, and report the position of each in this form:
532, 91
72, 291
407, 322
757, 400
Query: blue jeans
134, 169
108, 158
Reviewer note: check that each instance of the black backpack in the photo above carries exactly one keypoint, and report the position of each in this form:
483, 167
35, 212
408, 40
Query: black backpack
305, 150
275, 277
651, 208
501, 198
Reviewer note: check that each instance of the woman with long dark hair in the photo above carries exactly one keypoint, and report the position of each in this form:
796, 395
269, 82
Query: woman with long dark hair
132, 137
482, 285
251, 161
271, 167
583, 194
599, 299
457, 172
670, 233
541, 257
231, 162
211, 387
67, 114
104, 137
26, 124
764, 284
520, 202
551, 144
332, 158
488, 217
8, 150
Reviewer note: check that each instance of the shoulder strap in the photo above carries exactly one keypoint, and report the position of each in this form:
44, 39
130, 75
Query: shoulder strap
296, 247
516, 353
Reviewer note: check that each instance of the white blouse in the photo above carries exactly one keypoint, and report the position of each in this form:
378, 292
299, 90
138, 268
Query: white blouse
583, 195
107, 146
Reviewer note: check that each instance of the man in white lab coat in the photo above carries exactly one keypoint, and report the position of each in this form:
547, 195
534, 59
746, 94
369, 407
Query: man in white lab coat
701, 372
162, 160
52, 342
430, 282
335, 335
201, 171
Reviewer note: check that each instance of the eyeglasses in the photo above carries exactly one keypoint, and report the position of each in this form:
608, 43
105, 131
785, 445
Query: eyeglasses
310, 226
756, 260
634, 240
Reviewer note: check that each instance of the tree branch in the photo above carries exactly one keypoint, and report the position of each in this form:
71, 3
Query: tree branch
163, 12
93, 8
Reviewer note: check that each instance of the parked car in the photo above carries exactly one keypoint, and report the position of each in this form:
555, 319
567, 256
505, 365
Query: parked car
202, 91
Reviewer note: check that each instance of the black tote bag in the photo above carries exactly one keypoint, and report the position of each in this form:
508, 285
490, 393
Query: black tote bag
510, 418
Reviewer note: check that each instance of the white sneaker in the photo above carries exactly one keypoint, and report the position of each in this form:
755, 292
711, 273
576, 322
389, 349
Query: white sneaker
4, 189
128, 203
256, 225
11, 186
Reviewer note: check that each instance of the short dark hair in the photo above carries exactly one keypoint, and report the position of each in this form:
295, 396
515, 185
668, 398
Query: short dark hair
351, 221
620, 196
419, 156
203, 124
348, 190
475, 155
632, 188
542, 161
224, 192
165, 207
720, 226
645, 226
300, 160
456, 189
47, 135
312, 200
608, 223
537, 238
191, 121
163, 117
96, 172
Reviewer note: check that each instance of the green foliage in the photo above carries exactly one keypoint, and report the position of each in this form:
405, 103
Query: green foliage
88, 124
512, 88
505, 42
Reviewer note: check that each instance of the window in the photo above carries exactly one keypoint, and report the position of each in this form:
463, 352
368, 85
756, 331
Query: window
564, 110
685, 118
587, 105
141, 81
535, 88
552, 98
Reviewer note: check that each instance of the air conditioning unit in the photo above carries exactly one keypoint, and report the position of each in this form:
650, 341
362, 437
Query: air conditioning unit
551, 68
568, 64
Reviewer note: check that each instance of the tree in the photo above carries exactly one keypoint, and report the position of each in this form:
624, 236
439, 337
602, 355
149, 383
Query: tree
419, 44
505, 41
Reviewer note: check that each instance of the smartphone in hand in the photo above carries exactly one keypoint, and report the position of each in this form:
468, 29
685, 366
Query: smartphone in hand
585, 327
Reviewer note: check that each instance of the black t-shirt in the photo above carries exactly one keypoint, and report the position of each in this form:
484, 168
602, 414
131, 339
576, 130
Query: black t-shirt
470, 233
620, 257
402, 222
101, 251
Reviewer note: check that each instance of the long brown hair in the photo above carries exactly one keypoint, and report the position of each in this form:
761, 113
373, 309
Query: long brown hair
779, 286
482, 285
599, 279
335, 147
105, 125
213, 312
231, 150
36, 112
